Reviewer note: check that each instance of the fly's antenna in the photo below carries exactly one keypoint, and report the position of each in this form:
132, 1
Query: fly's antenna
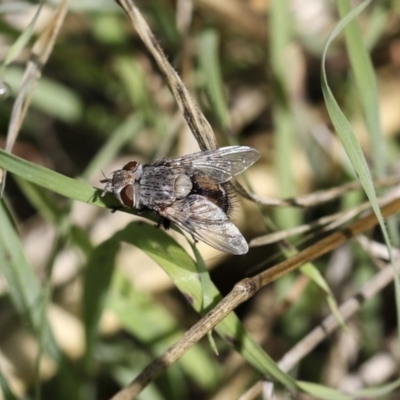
105, 180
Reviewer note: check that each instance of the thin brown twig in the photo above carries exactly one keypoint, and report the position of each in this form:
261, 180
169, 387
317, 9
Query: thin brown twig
242, 291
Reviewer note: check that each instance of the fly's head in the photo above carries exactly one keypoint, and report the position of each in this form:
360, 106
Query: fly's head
122, 184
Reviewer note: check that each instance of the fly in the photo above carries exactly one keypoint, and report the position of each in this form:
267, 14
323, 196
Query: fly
191, 191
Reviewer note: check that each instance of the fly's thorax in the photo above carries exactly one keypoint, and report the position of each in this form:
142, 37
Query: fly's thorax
160, 186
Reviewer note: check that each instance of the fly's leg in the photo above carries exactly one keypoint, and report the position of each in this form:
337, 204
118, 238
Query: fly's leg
164, 222
195, 241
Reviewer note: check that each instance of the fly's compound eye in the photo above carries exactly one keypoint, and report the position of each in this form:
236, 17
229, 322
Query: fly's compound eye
126, 195
130, 166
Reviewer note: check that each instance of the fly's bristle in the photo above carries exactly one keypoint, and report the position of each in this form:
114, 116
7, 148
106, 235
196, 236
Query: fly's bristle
231, 200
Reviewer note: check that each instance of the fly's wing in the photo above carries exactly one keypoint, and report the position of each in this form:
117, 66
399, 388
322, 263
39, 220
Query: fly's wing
221, 164
207, 223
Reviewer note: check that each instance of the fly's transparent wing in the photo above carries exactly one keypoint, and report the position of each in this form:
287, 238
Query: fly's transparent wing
221, 164
207, 223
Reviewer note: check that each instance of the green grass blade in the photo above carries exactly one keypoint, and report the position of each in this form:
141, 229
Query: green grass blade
54, 181
5, 388
23, 286
351, 144
366, 84
23, 39
345, 131
283, 115
212, 76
